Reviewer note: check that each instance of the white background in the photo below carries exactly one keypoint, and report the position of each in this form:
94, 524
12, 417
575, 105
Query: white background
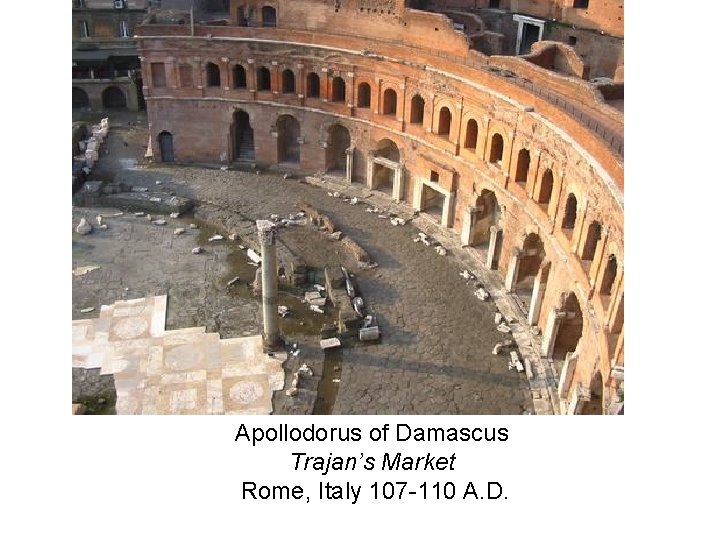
649, 474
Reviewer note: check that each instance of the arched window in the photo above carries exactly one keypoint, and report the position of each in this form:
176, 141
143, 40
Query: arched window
389, 101
591, 242
239, 78
213, 74
546, 187
338, 89
312, 81
417, 109
263, 79
496, 148
113, 98
471, 134
269, 17
444, 122
570, 212
363, 96
80, 98
288, 82
609, 277
523, 166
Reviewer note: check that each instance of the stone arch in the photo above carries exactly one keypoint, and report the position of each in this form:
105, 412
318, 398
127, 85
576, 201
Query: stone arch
487, 214
242, 137
595, 404
338, 142
383, 177
364, 96
389, 102
167, 150
609, 276
114, 98
471, 134
239, 76
530, 260
269, 17
570, 215
337, 89
417, 109
263, 79
389, 149
546, 188
522, 168
288, 81
80, 99
444, 122
591, 241
288, 134
312, 84
497, 147
212, 74
570, 329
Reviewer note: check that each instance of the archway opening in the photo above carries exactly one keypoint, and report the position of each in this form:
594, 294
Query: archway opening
486, 215
338, 89
384, 176
114, 98
608, 279
496, 149
595, 405
288, 131
338, 143
239, 77
523, 166
531, 258
546, 188
263, 79
288, 82
444, 121
167, 151
212, 72
471, 134
570, 328
568, 222
80, 98
313, 85
389, 102
363, 100
417, 109
269, 17
591, 242
243, 137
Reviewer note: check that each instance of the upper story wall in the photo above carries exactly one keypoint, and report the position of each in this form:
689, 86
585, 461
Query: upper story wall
605, 15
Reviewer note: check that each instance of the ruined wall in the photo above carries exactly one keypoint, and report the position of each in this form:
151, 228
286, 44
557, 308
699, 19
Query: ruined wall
200, 119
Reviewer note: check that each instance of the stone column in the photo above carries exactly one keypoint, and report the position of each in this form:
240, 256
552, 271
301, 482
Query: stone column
271, 333
398, 183
370, 169
492, 246
512, 271
550, 334
566, 375
349, 153
536, 299
447, 214
468, 224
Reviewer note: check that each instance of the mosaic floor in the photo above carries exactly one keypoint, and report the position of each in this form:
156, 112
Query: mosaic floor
185, 371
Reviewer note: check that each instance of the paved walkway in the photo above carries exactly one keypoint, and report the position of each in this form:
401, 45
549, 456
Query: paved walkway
435, 355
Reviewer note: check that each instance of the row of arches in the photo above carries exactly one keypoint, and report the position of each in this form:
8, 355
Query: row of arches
113, 98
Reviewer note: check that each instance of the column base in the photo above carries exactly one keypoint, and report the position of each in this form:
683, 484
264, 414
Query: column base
273, 343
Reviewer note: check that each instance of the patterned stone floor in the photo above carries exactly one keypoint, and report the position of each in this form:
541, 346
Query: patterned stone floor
186, 371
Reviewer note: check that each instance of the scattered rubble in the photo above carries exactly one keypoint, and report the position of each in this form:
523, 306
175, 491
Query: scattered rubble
440, 250
504, 328
87, 310
159, 222
83, 227
482, 294
192, 226
215, 238
197, 250
82, 270
179, 230
329, 343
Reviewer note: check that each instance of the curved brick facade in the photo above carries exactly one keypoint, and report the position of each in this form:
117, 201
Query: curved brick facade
495, 162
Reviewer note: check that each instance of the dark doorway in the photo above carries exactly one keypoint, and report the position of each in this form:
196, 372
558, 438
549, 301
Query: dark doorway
113, 98
313, 85
338, 89
243, 137
167, 153
269, 17
80, 99
288, 131
338, 143
531, 34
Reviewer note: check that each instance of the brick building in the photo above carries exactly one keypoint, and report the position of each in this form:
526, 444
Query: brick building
521, 157
106, 67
